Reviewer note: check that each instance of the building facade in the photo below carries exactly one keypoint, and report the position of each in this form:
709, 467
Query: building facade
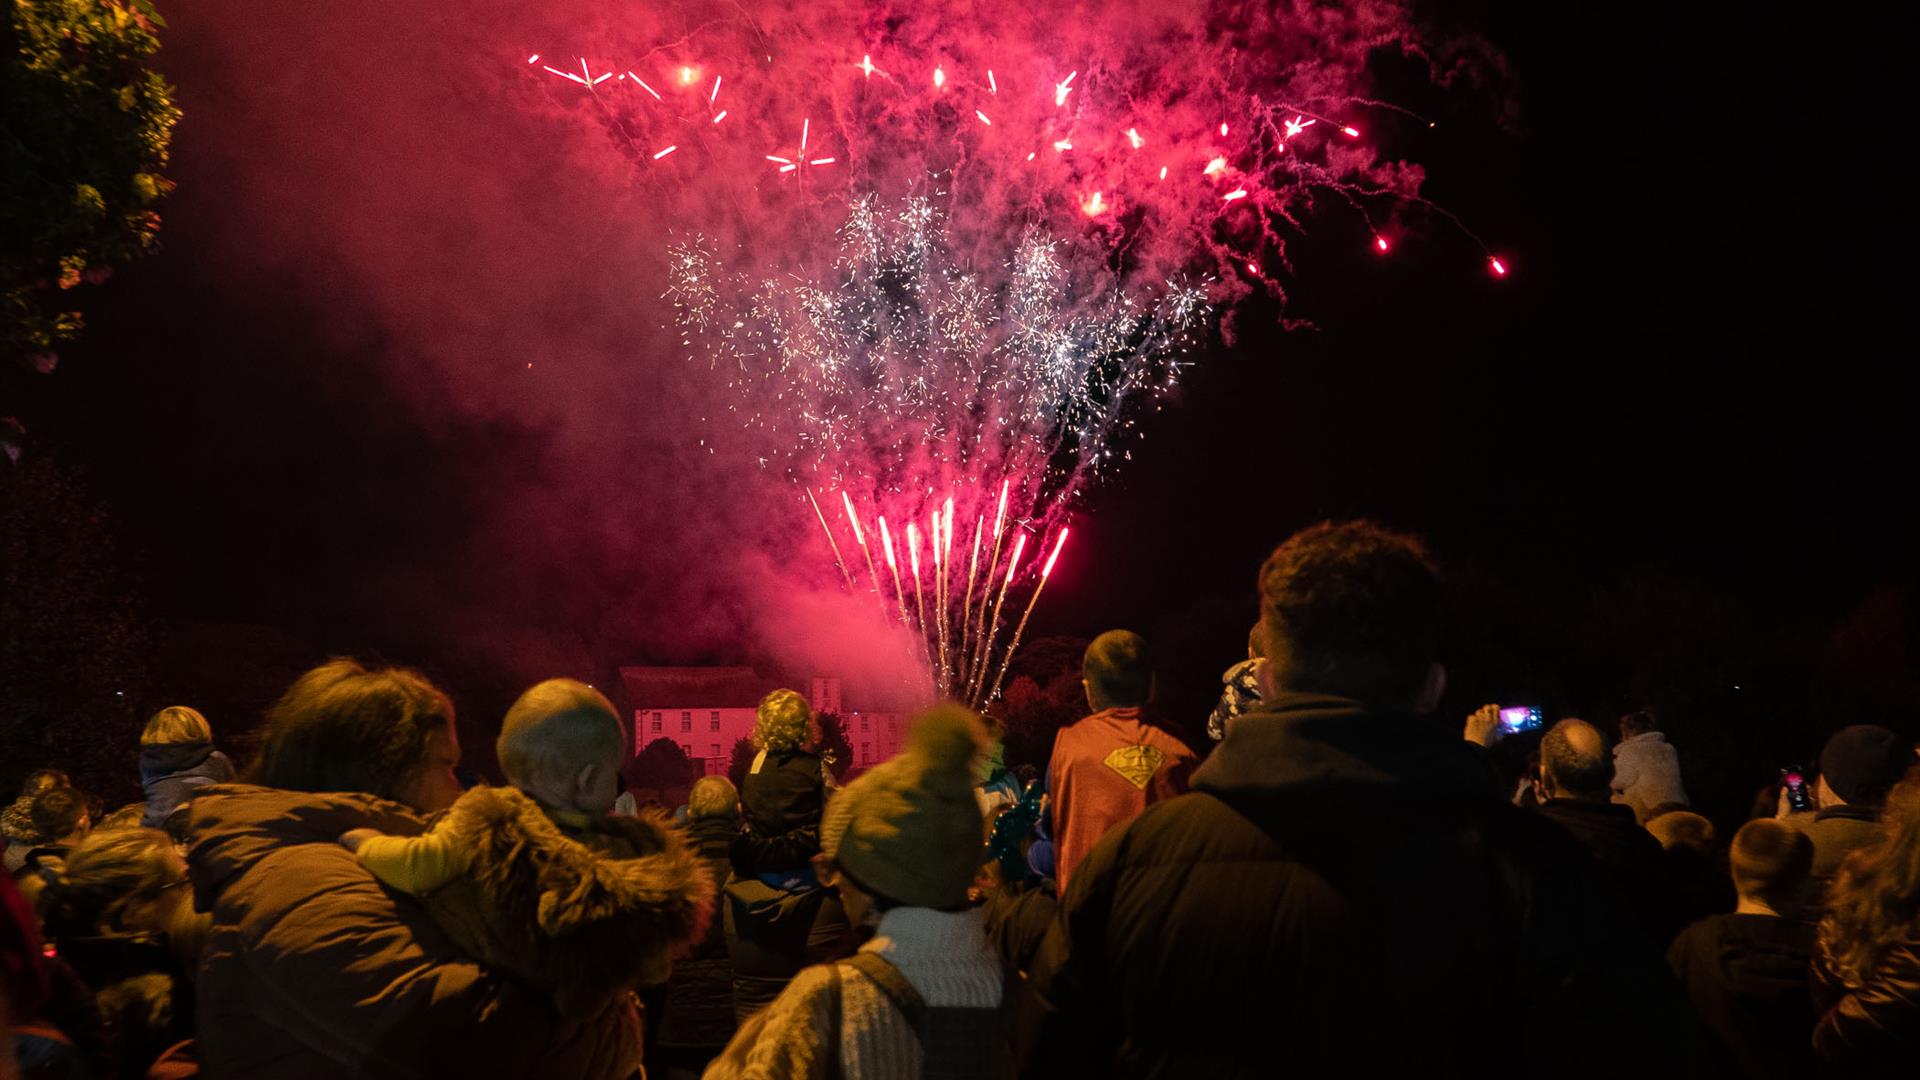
708, 709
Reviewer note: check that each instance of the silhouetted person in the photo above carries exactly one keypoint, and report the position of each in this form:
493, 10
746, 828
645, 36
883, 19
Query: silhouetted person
1867, 962
1345, 892
1575, 777
1646, 769
1110, 766
1858, 766
1747, 971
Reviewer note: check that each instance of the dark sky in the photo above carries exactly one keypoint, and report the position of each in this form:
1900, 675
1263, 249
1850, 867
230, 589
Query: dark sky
1695, 374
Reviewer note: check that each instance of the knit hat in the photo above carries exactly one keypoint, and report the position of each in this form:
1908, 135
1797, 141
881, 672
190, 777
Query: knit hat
1861, 763
909, 829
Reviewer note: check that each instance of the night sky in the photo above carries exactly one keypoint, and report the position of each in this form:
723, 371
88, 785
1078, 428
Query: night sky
1677, 430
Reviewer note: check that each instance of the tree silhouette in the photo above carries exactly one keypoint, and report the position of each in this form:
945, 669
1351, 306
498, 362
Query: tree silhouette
833, 742
743, 753
87, 126
662, 766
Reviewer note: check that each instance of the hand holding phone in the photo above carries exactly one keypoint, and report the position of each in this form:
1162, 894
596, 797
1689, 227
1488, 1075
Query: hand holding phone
1517, 718
1793, 789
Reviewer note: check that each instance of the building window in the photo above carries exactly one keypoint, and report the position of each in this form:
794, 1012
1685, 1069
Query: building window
893, 724
866, 753
686, 721
687, 749
866, 722
713, 720
713, 749
656, 723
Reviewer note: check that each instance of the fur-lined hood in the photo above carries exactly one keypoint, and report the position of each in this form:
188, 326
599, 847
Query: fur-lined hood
600, 915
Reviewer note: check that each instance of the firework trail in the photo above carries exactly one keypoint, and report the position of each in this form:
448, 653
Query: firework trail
902, 379
945, 255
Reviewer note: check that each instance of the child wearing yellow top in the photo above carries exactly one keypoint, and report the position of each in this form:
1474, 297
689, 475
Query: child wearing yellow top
536, 879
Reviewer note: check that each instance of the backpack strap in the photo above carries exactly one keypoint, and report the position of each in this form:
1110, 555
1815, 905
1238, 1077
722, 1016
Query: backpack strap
833, 1022
893, 984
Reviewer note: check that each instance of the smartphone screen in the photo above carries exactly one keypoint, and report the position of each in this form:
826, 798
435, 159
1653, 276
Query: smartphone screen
1796, 784
1518, 718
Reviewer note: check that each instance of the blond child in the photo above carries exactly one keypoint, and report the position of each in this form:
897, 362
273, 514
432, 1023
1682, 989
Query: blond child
537, 879
177, 758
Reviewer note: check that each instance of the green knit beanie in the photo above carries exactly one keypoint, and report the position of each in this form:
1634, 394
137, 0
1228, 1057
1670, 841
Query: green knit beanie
910, 829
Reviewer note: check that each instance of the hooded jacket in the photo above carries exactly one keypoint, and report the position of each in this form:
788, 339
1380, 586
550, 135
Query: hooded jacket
1747, 977
171, 772
1357, 900
782, 797
1628, 854
314, 969
586, 914
1646, 774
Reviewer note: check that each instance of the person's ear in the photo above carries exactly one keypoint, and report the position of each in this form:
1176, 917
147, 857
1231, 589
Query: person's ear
583, 780
1431, 690
1263, 679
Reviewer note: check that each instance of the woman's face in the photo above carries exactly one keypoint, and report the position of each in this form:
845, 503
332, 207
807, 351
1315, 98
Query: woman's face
435, 788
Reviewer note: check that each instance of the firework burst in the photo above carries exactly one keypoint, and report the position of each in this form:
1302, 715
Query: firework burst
918, 389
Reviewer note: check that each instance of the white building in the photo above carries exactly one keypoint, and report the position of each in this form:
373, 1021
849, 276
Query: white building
707, 709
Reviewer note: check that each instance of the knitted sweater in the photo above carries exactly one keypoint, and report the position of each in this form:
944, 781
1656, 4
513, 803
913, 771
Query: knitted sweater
943, 954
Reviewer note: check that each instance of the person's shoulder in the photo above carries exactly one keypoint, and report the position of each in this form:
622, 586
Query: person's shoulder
1700, 933
1172, 745
1176, 823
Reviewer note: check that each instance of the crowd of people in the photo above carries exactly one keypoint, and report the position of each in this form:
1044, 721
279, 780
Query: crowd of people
1341, 884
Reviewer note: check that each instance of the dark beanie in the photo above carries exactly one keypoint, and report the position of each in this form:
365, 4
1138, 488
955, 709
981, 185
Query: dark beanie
1862, 762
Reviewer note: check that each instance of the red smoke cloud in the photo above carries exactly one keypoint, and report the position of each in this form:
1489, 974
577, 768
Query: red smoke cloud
501, 232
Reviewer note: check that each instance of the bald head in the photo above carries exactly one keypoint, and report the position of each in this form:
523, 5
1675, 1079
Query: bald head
557, 728
1574, 759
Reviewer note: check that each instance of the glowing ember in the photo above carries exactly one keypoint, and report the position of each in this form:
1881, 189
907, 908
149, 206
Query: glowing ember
899, 375
904, 369
643, 85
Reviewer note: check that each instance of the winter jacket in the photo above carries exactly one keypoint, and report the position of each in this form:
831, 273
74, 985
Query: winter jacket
1018, 917
145, 1000
1632, 860
1748, 978
1345, 893
1870, 1027
1105, 769
586, 914
16, 828
782, 797
314, 969
1646, 774
696, 1008
1836, 832
170, 773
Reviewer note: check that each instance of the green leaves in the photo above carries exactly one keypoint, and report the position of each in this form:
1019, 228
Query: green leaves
84, 130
